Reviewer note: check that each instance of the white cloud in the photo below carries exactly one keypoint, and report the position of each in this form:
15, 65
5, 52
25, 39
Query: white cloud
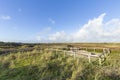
38, 38
93, 31
42, 33
97, 31
5, 17
46, 30
58, 36
90, 31
52, 21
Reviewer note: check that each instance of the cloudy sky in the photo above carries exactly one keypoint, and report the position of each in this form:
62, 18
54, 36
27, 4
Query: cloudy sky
60, 20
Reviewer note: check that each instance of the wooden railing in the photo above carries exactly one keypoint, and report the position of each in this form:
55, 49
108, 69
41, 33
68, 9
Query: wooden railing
76, 52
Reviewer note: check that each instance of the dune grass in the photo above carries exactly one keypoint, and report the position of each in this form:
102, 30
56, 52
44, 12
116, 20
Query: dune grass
49, 65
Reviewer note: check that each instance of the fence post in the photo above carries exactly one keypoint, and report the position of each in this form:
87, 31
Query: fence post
64, 53
56, 51
89, 58
108, 50
104, 54
74, 55
103, 50
99, 61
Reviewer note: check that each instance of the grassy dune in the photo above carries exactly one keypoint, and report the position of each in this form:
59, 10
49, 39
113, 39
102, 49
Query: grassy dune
49, 65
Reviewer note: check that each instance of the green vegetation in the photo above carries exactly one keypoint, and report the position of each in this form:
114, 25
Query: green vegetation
43, 64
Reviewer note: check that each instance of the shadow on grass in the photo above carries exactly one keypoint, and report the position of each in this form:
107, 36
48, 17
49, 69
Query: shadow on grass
34, 73
22, 73
92, 72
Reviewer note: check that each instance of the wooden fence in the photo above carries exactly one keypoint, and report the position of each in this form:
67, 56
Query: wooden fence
76, 52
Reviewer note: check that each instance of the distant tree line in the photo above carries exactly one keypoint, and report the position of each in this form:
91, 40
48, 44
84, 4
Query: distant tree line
10, 44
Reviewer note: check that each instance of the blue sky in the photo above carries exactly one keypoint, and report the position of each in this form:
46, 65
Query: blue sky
59, 20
